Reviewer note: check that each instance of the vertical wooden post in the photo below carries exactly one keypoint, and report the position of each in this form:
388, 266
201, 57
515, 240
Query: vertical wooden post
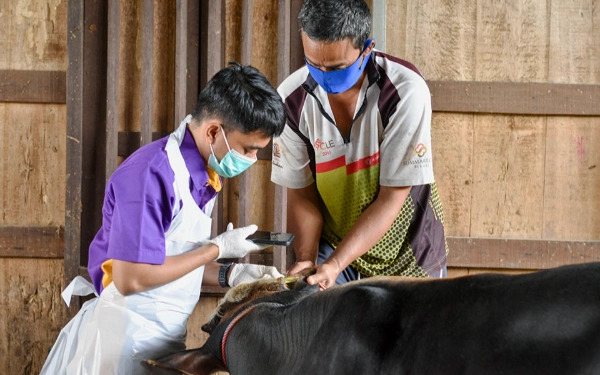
244, 178
112, 84
147, 71
187, 57
213, 60
75, 10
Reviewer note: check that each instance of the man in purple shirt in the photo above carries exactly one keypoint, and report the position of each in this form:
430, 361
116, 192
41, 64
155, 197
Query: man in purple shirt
153, 251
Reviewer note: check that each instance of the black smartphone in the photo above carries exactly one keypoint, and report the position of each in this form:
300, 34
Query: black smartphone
271, 238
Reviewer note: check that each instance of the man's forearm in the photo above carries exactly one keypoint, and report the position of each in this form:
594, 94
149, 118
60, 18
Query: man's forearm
305, 222
371, 226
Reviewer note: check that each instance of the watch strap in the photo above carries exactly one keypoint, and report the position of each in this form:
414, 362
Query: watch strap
223, 274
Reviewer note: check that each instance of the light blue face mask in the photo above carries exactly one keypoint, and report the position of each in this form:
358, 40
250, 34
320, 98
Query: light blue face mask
337, 81
232, 164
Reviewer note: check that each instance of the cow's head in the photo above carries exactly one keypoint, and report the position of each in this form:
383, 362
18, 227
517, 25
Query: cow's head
201, 361
245, 293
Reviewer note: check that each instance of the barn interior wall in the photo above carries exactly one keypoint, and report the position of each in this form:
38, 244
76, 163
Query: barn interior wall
499, 176
32, 184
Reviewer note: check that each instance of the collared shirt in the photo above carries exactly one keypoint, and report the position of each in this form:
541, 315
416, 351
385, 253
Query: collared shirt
389, 144
138, 206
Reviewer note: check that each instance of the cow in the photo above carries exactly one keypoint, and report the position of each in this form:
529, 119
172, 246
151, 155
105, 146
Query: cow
545, 322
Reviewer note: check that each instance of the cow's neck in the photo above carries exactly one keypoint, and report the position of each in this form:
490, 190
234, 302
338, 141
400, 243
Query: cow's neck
234, 321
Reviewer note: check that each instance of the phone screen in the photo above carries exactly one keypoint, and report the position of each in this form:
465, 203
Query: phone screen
271, 238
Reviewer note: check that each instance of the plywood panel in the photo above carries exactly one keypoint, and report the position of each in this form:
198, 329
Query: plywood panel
572, 179
31, 312
512, 41
440, 38
508, 177
452, 137
34, 34
574, 41
32, 164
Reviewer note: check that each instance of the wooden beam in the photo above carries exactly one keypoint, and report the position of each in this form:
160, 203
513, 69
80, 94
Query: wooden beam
519, 254
33, 86
545, 99
32, 242
112, 91
212, 57
145, 133
187, 57
75, 51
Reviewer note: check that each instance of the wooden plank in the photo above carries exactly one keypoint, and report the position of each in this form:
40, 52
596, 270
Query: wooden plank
574, 45
508, 176
547, 99
34, 35
33, 86
511, 41
213, 60
453, 168
571, 201
519, 254
187, 57
147, 72
112, 83
32, 312
437, 37
75, 73
32, 164
32, 242
245, 178
93, 124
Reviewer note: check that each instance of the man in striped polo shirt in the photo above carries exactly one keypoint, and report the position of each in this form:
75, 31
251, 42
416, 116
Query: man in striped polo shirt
356, 156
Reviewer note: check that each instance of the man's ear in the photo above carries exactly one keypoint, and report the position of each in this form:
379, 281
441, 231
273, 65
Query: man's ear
212, 131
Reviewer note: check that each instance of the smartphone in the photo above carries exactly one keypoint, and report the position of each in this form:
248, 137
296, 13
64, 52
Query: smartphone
271, 238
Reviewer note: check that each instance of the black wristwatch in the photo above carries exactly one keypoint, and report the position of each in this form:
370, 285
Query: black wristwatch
223, 274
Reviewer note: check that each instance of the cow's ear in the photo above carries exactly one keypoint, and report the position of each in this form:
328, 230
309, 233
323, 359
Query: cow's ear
195, 361
210, 326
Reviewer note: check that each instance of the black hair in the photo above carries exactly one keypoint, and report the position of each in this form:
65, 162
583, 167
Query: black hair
335, 20
243, 99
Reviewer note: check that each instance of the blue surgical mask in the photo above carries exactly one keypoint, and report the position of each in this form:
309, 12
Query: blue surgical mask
232, 164
337, 81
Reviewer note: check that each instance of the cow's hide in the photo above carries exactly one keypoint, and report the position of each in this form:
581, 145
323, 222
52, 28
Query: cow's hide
547, 322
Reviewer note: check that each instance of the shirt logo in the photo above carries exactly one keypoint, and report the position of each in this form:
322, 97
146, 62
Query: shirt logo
420, 150
276, 150
323, 148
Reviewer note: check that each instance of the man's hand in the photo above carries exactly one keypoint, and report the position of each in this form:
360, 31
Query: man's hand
325, 276
247, 273
233, 243
300, 266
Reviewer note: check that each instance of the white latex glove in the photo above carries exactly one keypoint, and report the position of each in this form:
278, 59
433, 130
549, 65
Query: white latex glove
247, 273
233, 244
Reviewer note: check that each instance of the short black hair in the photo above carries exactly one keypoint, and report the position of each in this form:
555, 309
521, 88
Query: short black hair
243, 99
335, 20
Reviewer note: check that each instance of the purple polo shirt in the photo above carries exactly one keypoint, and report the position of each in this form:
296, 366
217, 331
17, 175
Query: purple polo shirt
138, 204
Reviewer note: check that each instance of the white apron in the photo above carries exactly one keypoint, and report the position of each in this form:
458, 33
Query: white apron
113, 334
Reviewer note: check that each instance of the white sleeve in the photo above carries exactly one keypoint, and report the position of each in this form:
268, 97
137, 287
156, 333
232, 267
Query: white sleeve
405, 151
291, 163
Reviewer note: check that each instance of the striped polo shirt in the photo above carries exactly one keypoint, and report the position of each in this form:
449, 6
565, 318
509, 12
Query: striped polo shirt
389, 144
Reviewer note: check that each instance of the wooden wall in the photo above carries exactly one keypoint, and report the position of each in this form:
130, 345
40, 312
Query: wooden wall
507, 176
500, 175
32, 178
